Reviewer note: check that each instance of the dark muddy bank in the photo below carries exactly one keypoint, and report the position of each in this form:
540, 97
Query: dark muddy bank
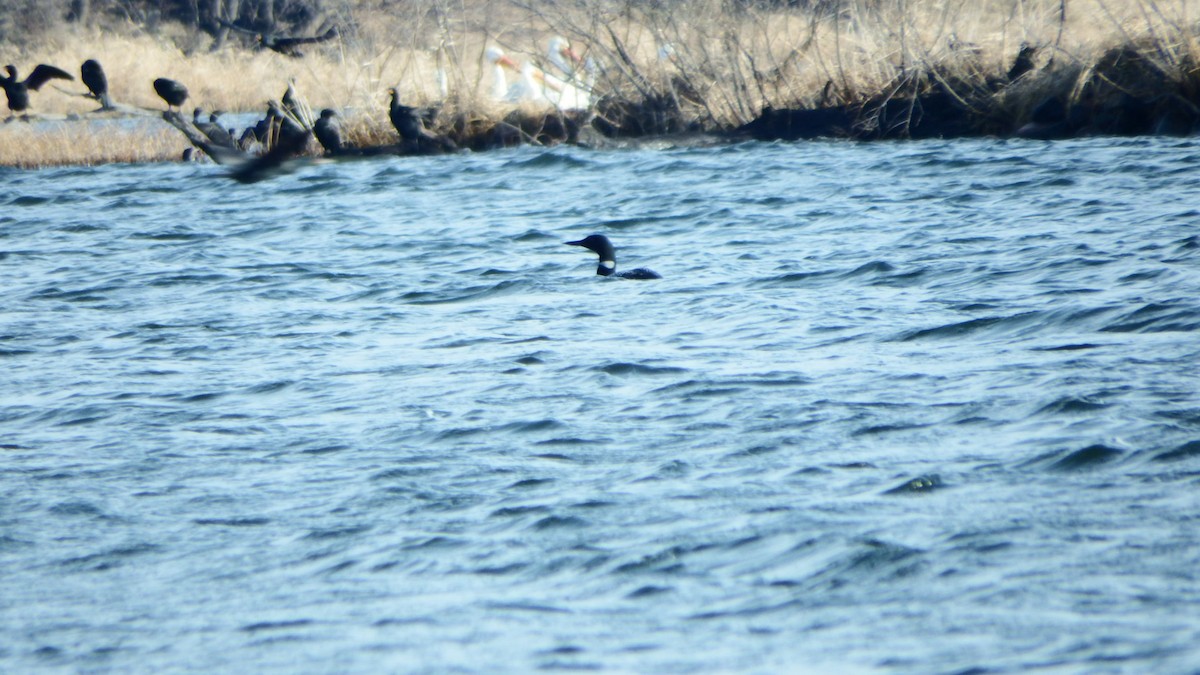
1127, 93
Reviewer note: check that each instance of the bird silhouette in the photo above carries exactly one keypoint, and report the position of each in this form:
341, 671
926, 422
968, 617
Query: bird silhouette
410, 124
174, 93
600, 244
97, 83
286, 45
328, 130
210, 128
17, 90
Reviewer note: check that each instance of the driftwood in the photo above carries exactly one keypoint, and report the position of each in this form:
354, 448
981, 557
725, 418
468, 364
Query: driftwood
280, 158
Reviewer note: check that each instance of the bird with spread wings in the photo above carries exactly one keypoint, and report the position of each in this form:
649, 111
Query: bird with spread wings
286, 45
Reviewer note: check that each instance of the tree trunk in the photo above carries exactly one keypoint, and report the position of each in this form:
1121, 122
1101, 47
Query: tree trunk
266, 14
81, 11
211, 18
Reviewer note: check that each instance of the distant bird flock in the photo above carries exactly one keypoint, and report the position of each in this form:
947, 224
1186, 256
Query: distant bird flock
261, 149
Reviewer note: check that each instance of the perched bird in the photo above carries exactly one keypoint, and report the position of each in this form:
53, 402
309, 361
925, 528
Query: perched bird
290, 132
534, 86
93, 77
1024, 61
275, 162
527, 90
499, 61
174, 93
560, 54
328, 131
211, 129
405, 119
291, 100
410, 124
249, 137
572, 88
279, 159
18, 90
608, 259
261, 131
524, 90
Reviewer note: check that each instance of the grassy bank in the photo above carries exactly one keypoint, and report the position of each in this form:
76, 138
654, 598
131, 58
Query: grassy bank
667, 67
24, 146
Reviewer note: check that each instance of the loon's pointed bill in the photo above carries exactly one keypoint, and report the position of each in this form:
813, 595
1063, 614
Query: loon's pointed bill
602, 247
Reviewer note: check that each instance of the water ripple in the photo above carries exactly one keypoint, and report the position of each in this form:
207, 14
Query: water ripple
379, 416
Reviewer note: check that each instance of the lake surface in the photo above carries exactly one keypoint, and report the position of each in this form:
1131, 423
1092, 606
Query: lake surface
894, 407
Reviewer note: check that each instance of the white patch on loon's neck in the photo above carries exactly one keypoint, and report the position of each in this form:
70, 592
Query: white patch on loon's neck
608, 264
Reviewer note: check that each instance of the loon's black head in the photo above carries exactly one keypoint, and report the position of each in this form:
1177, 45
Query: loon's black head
603, 248
608, 258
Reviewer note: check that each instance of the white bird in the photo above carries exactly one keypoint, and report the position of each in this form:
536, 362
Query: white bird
570, 91
564, 58
442, 83
526, 90
498, 88
440, 79
533, 85
564, 95
529, 88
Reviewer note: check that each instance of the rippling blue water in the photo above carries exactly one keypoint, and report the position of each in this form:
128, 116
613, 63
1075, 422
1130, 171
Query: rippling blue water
913, 407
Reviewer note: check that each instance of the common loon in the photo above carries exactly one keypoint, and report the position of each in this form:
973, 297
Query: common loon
608, 259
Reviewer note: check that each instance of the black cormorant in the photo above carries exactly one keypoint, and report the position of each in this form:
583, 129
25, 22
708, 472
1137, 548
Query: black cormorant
288, 46
174, 93
290, 132
328, 131
276, 160
211, 129
1024, 62
405, 119
290, 101
410, 124
18, 90
93, 76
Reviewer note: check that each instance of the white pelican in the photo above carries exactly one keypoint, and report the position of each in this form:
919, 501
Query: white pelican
564, 58
570, 91
529, 88
498, 88
525, 90
564, 95
533, 85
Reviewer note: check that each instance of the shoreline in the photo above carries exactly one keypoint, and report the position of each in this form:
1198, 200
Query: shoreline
766, 75
143, 136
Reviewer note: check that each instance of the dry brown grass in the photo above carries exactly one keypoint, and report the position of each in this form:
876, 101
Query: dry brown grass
744, 60
26, 146
729, 60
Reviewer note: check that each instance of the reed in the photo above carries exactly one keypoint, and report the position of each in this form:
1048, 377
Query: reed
29, 147
705, 64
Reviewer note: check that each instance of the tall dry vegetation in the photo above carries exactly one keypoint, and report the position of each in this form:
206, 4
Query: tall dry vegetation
717, 62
